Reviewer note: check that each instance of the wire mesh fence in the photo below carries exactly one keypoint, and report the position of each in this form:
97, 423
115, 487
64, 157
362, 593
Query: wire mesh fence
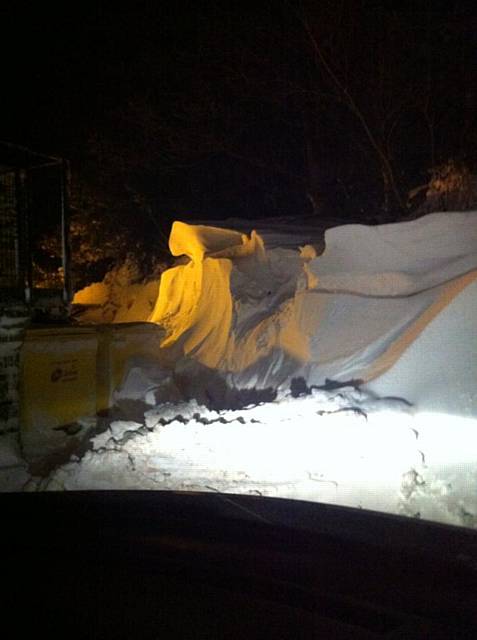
9, 267
33, 223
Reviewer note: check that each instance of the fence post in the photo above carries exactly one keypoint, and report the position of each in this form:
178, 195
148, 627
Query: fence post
65, 232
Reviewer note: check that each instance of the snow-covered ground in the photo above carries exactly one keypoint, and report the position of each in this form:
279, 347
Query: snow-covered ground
343, 447
256, 325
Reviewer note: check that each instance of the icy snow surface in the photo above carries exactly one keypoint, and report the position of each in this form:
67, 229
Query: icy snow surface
391, 308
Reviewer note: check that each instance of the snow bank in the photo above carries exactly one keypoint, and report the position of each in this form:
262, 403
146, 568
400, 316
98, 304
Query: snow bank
307, 447
399, 259
263, 316
94, 294
391, 306
345, 447
122, 296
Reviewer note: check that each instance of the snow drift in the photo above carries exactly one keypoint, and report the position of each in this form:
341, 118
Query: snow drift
261, 317
124, 295
388, 311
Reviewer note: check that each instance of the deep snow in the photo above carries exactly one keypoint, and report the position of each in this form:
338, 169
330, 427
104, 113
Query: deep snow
263, 316
344, 447
390, 307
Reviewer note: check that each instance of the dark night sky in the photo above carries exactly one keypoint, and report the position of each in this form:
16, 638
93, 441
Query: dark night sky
209, 107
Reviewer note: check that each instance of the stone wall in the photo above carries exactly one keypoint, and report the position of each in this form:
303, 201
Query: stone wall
13, 320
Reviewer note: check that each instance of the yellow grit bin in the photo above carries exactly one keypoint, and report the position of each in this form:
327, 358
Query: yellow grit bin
69, 373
